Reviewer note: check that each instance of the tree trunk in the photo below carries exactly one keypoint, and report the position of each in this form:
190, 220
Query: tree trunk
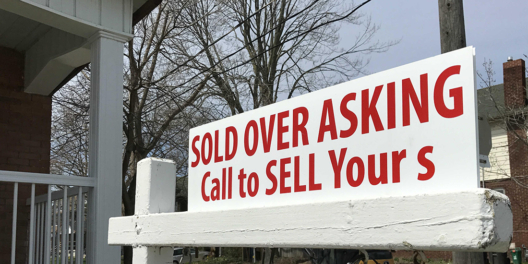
269, 255
274, 251
127, 254
129, 210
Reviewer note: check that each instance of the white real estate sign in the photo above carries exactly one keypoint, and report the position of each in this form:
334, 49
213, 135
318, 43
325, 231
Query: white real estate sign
406, 131
388, 161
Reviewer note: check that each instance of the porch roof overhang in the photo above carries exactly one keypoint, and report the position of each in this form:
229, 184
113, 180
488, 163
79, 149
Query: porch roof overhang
54, 34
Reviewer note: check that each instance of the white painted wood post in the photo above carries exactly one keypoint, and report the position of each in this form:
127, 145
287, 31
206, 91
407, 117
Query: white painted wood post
473, 220
155, 193
105, 149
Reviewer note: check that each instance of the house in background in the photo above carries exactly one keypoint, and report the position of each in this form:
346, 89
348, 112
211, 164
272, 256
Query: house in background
43, 44
506, 106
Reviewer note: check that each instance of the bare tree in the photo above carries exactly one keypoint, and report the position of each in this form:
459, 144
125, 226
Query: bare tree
259, 52
69, 130
197, 61
160, 105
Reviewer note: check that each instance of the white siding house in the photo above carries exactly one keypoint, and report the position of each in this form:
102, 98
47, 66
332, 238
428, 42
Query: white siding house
499, 156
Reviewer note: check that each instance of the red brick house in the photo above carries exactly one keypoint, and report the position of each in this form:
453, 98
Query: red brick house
505, 106
43, 44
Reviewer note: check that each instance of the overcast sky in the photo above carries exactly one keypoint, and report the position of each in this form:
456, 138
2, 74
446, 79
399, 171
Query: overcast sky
497, 29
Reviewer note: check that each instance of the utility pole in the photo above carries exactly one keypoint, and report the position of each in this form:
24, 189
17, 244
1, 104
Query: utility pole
452, 29
453, 37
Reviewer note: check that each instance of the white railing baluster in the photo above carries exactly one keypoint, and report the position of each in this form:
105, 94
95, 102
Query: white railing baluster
84, 226
58, 229
54, 230
32, 225
48, 227
71, 227
59, 232
74, 231
56, 223
37, 233
47, 238
65, 214
42, 228
43, 232
79, 232
14, 225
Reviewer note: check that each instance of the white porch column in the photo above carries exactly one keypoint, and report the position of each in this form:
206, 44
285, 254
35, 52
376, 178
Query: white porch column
105, 149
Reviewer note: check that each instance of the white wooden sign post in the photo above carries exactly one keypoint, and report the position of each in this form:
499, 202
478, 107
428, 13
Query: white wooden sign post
388, 161
155, 194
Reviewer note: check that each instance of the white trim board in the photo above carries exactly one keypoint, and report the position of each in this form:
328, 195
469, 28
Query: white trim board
41, 178
474, 220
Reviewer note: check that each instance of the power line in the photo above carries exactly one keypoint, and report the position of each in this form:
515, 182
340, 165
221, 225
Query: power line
217, 40
299, 35
275, 46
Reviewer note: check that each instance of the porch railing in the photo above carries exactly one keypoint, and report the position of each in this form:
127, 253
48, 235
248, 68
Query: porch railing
57, 219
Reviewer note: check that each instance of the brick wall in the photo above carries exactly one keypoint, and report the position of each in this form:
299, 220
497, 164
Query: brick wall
514, 83
518, 151
519, 201
443, 255
25, 127
515, 101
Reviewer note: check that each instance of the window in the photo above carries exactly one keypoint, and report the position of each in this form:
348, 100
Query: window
501, 190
